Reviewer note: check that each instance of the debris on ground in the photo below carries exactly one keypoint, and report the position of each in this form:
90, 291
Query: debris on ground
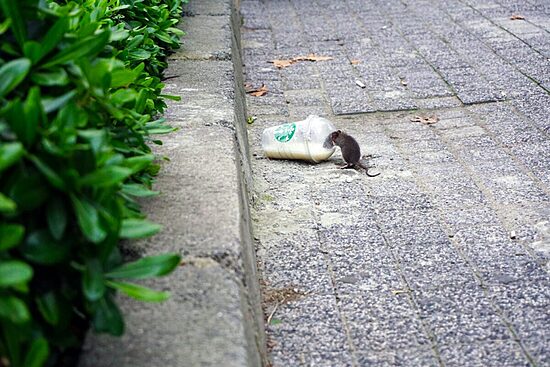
256, 92
428, 120
283, 63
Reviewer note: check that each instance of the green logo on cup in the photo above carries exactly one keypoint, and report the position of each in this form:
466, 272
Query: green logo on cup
285, 132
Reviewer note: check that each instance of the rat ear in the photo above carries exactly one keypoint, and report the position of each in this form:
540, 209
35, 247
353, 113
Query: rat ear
339, 131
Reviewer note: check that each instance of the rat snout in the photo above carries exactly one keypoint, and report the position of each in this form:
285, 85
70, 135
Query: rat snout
329, 142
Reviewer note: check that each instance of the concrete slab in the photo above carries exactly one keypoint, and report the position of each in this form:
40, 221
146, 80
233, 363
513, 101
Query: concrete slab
213, 317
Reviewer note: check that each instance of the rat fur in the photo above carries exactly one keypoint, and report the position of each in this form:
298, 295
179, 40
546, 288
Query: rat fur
351, 152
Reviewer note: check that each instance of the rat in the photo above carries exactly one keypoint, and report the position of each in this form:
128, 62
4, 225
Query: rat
350, 150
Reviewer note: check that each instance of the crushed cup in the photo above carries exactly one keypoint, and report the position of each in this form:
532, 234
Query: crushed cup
306, 140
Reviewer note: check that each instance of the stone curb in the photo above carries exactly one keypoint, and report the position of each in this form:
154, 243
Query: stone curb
213, 316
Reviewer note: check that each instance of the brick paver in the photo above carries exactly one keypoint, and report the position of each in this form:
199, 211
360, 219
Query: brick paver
442, 260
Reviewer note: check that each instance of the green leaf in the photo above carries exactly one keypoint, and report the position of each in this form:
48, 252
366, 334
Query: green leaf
37, 354
10, 235
88, 219
96, 138
34, 115
12, 340
52, 176
53, 104
106, 176
13, 73
148, 267
138, 190
49, 308
28, 189
4, 26
122, 78
31, 50
14, 272
139, 162
138, 292
93, 282
119, 35
171, 97
13, 309
10, 153
11, 11
107, 317
139, 54
7, 205
55, 77
87, 46
138, 228
161, 130
123, 96
41, 248
57, 217
54, 36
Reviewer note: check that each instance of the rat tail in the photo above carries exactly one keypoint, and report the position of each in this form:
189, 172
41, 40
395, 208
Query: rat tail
366, 168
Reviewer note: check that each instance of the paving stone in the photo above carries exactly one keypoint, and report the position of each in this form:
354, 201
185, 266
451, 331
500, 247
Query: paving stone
487, 353
309, 324
422, 264
401, 357
460, 314
383, 322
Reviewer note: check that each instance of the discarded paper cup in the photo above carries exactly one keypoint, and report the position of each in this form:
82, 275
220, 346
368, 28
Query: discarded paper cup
299, 140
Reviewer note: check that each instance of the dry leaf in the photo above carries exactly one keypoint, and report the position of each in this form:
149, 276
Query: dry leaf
313, 57
428, 120
287, 62
258, 92
517, 17
355, 62
282, 63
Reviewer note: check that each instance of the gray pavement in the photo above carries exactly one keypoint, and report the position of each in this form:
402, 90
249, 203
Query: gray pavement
443, 259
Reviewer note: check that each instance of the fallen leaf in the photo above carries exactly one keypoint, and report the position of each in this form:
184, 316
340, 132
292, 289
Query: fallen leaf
248, 87
428, 120
517, 17
313, 57
283, 63
355, 62
259, 91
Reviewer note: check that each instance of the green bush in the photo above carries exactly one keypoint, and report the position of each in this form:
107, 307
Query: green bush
80, 95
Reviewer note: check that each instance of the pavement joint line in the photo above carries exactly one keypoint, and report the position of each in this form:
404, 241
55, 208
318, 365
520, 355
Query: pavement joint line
475, 271
453, 49
483, 124
326, 100
419, 53
504, 59
487, 193
505, 29
410, 297
330, 269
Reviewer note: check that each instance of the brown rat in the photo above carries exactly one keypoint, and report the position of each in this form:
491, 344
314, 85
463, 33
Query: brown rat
350, 150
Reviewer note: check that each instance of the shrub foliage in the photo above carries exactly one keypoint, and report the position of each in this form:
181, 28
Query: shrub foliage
80, 97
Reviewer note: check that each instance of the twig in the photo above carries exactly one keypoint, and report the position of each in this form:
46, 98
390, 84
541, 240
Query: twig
273, 312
